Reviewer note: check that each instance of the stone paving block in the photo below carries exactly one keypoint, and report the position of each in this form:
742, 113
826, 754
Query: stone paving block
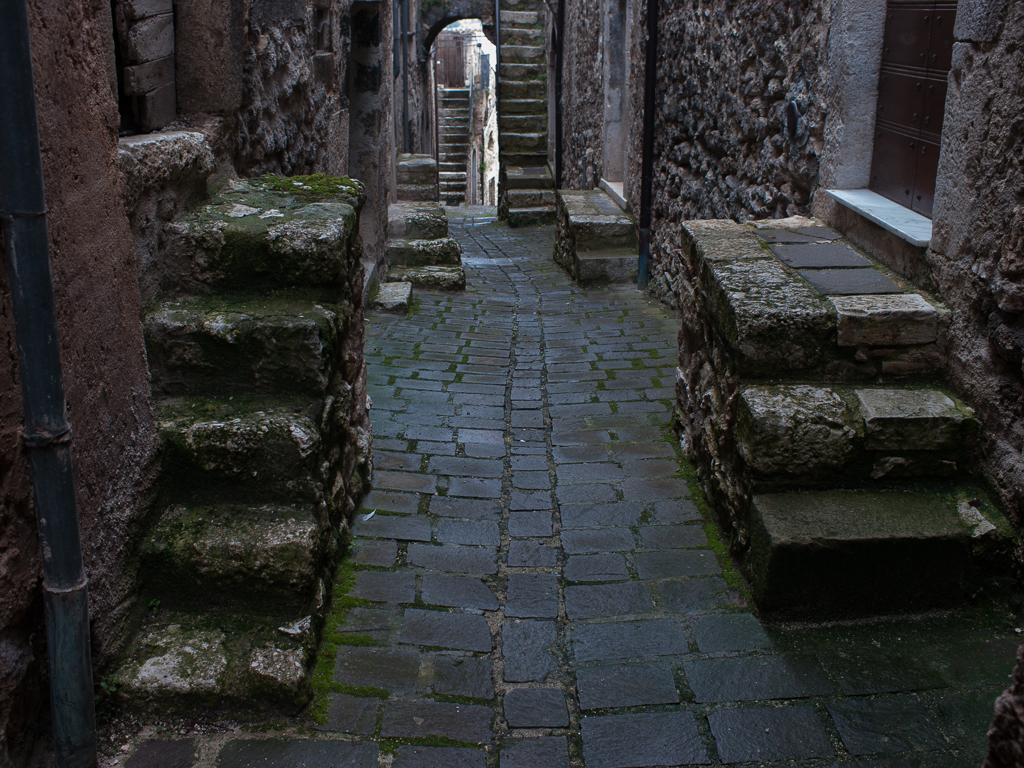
627, 640
583, 541
580, 494
911, 419
420, 719
160, 753
455, 465
352, 714
461, 631
475, 488
676, 511
761, 733
784, 236
886, 320
654, 490
532, 523
579, 454
457, 592
404, 527
531, 554
532, 595
845, 282
457, 676
467, 509
439, 757
296, 753
592, 601
375, 622
672, 536
651, 467
390, 670
472, 532
405, 481
647, 739
618, 514
485, 450
597, 472
531, 481
536, 708
453, 558
626, 685
540, 752
717, 632
530, 500
819, 256
528, 647
370, 552
402, 503
385, 587
676, 563
755, 678
607, 567
885, 726
870, 670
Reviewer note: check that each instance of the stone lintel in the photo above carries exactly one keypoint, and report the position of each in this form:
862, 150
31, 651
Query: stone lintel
884, 320
911, 419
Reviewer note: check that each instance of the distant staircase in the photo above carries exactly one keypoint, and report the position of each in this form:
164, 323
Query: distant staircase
527, 187
453, 121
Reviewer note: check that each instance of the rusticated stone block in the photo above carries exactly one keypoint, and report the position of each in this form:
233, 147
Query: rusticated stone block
884, 320
912, 419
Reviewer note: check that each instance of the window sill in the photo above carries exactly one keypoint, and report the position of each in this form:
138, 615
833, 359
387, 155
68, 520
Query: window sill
615, 192
902, 222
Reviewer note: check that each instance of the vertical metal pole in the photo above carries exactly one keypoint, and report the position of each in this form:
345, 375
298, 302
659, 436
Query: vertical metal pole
643, 273
403, 8
559, 27
47, 435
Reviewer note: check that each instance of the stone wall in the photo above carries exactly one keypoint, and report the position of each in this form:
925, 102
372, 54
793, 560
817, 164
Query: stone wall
582, 95
104, 366
977, 246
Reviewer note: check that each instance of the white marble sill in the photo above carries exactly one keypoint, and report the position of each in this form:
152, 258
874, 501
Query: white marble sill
902, 222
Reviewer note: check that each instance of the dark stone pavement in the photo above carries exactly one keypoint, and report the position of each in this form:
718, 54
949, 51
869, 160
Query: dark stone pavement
539, 585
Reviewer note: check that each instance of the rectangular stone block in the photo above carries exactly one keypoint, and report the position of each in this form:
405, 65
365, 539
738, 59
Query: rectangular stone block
158, 108
819, 256
844, 282
912, 419
151, 39
143, 78
140, 9
886, 320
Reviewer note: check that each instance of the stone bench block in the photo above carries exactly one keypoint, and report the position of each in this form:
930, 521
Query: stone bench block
884, 320
437, 278
416, 192
393, 298
530, 198
595, 241
417, 221
528, 177
913, 419
848, 553
254, 346
422, 253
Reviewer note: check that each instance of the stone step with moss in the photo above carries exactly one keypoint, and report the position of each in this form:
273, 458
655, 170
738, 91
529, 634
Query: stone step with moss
238, 345
270, 557
524, 123
415, 169
792, 435
421, 253
524, 143
535, 90
519, 36
443, 278
217, 662
863, 552
521, 73
595, 240
530, 198
527, 177
266, 232
244, 449
525, 217
417, 221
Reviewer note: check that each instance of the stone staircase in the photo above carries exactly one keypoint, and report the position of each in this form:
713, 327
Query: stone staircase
453, 125
420, 252
527, 187
416, 177
255, 353
810, 393
595, 240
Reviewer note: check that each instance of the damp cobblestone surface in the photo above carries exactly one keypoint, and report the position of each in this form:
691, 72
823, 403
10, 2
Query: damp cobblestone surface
538, 586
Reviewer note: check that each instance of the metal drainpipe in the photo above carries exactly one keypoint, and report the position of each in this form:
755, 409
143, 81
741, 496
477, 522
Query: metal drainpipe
403, 7
643, 273
47, 435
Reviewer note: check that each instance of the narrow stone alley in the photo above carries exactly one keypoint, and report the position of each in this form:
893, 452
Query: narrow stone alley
534, 582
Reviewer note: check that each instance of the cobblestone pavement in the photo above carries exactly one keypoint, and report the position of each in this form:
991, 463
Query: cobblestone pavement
536, 586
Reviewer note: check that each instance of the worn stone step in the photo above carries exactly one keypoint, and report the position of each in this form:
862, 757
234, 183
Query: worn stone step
512, 143
518, 124
265, 233
858, 552
450, 176
530, 89
415, 169
243, 345
181, 663
460, 157
417, 221
412, 193
444, 278
242, 449
521, 53
522, 217
591, 221
421, 253
527, 177
516, 36
452, 167
530, 198
393, 298
523, 72
806, 434
523, 107
520, 18
267, 556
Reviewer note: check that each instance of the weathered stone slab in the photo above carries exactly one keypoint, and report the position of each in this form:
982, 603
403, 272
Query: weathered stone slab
296, 753
843, 282
628, 640
161, 753
886, 726
626, 685
786, 733
176, 661
531, 554
819, 256
352, 714
769, 321
440, 278
416, 169
393, 298
532, 595
528, 648
453, 558
457, 592
597, 600
606, 567
419, 719
383, 668
718, 632
676, 563
421, 253
402, 527
793, 430
457, 676
886, 320
439, 757
755, 678
672, 536
385, 587
598, 540
461, 631
912, 419
369, 552
539, 752
536, 708
650, 739
417, 221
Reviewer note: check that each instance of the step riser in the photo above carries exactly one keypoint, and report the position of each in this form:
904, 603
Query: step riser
422, 253
417, 222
